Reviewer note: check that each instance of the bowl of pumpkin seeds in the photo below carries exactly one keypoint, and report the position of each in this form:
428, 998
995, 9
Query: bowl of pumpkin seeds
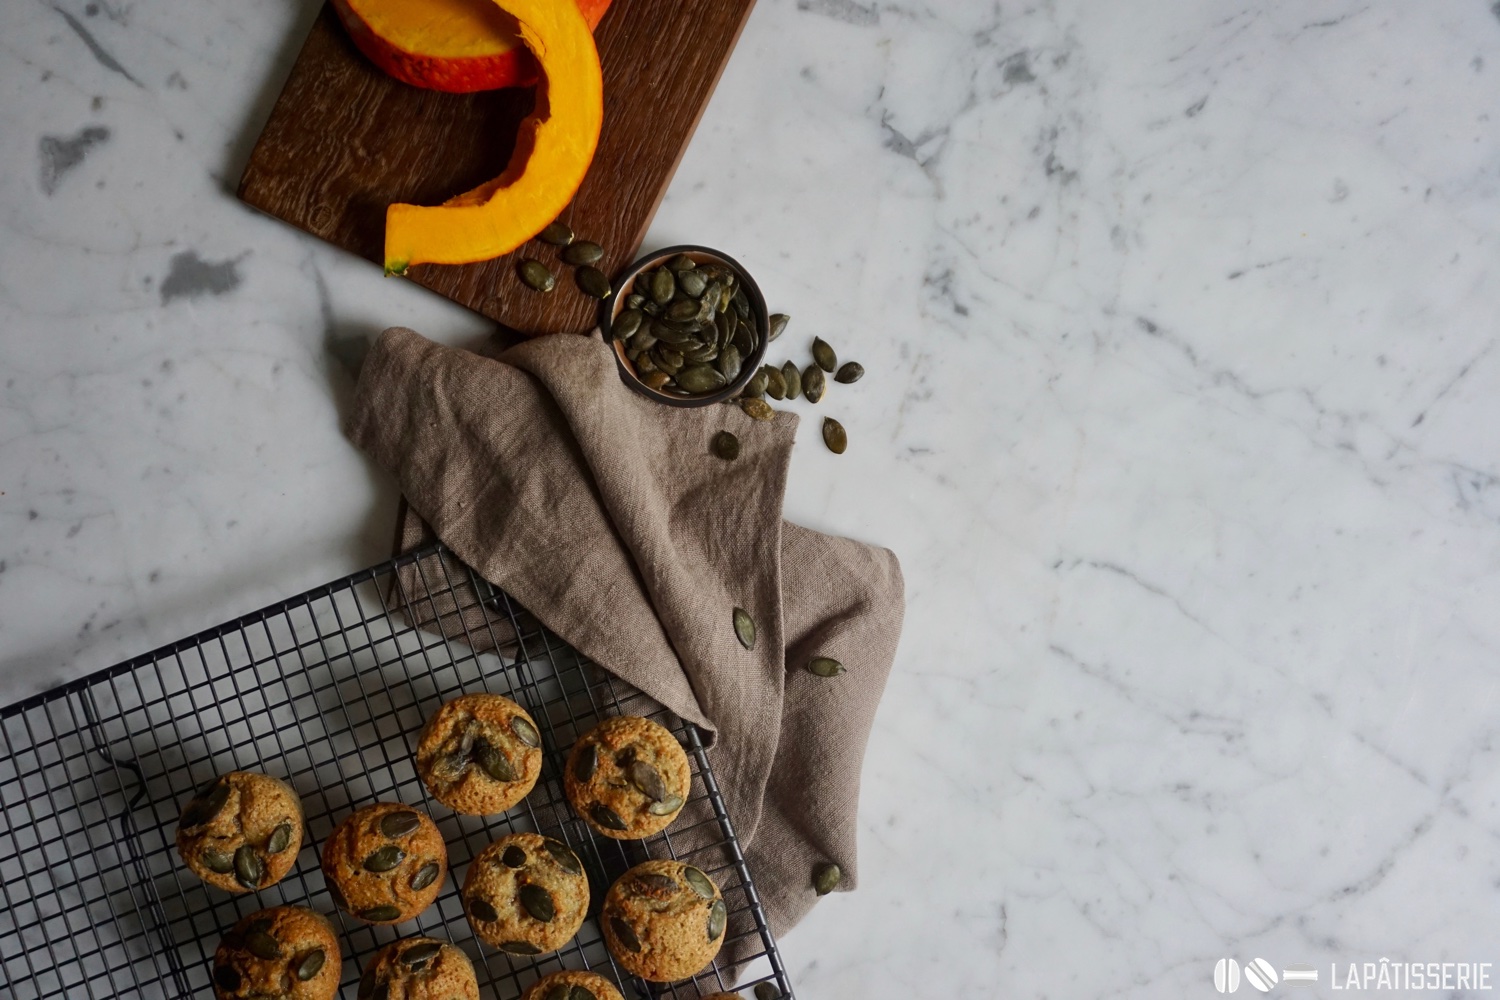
688, 325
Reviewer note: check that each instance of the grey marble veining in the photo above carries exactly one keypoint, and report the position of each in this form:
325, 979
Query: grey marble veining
1182, 412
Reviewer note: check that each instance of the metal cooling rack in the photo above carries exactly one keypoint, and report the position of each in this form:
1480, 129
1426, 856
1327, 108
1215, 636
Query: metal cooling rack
329, 691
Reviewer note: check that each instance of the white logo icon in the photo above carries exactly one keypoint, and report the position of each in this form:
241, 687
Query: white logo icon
1258, 973
1299, 975
1226, 975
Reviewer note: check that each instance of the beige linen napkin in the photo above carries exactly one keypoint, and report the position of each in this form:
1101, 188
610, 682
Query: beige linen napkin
606, 516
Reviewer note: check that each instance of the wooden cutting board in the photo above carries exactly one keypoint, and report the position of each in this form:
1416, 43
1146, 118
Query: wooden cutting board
344, 141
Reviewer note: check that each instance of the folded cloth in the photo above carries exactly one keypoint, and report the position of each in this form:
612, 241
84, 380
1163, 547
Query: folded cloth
606, 516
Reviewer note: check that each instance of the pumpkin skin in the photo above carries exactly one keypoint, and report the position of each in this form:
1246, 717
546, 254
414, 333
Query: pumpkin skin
553, 151
457, 46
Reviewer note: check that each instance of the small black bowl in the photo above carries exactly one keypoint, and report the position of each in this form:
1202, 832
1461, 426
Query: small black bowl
615, 304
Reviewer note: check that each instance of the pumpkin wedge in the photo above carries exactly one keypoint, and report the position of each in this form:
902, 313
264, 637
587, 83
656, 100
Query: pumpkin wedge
553, 151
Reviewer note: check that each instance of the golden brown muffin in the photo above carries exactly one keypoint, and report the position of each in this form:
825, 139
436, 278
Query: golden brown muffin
385, 863
627, 777
286, 951
479, 754
572, 984
242, 832
663, 920
419, 968
526, 894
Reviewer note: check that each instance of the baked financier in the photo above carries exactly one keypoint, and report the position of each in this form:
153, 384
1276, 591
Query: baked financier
241, 832
385, 863
627, 777
286, 951
526, 894
420, 968
663, 920
479, 754
573, 984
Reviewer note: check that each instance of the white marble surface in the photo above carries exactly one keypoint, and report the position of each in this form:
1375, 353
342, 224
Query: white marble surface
1182, 414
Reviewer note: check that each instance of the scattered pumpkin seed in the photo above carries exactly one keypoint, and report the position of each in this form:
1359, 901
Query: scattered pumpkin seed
813, 383
824, 666
698, 882
419, 955
757, 409
582, 252
718, 916
775, 382
850, 372
592, 282
221, 862
280, 839
625, 934
834, 436
647, 780
248, 870
744, 628
557, 233
400, 824
525, 731
309, 965
756, 387
262, 945
606, 817
379, 914
494, 762
426, 875
564, 856
519, 948
227, 979
481, 909
824, 355
537, 901
586, 762
778, 324
513, 857
536, 276
726, 446
385, 858
666, 806
793, 378
826, 878
627, 324
767, 991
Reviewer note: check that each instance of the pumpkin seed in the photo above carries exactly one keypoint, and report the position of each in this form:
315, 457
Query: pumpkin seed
668, 360
525, 731
698, 882
641, 340
557, 233
648, 780
203, 808
482, 909
384, 859
824, 355
221, 862
338, 896
513, 857
227, 979
420, 954
826, 878
248, 869
262, 945
824, 666
654, 883
536, 276
310, 965
367, 984
718, 916
635, 300
700, 378
745, 339
834, 436
793, 379
775, 382
741, 304
280, 839
778, 324
582, 252
655, 380
379, 914
400, 824
669, 333
626, 324
625, 934
682, 262
692, 283
592, 282
426, 875
729, 363
666, 806
606, 817
756, 387
564, 856
519, 948
767, 991
757, 409
850, 372
537, 901
661, 286
726, 446
681, 311
744, 628
582, 993
813, 383
586, 762
382, 992
494, 762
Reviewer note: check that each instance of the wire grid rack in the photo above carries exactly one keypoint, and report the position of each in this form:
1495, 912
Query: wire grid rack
328, 691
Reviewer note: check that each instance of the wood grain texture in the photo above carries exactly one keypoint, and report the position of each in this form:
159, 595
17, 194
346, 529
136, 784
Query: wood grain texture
344, 140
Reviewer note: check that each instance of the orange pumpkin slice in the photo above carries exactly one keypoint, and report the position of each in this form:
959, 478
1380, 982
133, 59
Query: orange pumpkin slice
553, 152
